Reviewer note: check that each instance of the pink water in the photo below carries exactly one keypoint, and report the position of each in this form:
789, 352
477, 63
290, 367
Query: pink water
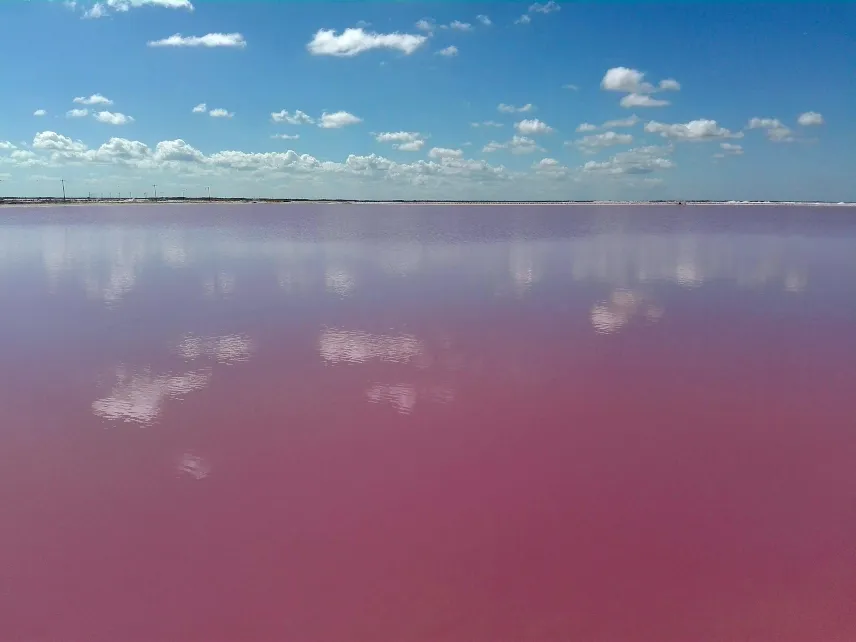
413, 424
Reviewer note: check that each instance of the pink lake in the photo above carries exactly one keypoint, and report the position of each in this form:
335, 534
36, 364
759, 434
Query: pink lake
360, 423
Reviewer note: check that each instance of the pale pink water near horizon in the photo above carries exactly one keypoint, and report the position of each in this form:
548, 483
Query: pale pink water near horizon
436, 423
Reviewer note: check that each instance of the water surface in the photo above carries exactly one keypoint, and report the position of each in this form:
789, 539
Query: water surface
411, 424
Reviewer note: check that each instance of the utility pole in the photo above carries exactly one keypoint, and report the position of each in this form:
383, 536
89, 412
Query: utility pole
62, 180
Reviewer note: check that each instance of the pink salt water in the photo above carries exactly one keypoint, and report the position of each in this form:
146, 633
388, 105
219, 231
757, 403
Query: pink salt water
414, 424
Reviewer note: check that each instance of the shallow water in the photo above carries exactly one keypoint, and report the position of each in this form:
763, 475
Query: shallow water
412, 424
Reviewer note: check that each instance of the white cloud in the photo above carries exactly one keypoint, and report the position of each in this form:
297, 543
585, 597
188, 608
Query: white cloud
571, 87
729, 149
94, 99
621, 122
98, 10
586, 127
810, 118
77, 113
532, 127
632, 82
624, 79
642, 160
486, 123
221, 113
449, 51
230, 40
547, 7
286, 136
297, 118
201, 108
694, 131
412, 146
511, 109
776, 131
40, 112
112, 118
457, 25
352, 42
397, 137
6, 145
337, 120
52, 141
483, 19
101, 9
443, 152
517, 145
641, 100
124, 5
426, 24
599, 141
523, 20
402, 141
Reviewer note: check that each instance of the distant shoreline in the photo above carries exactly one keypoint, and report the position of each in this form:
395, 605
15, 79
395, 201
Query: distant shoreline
37, 202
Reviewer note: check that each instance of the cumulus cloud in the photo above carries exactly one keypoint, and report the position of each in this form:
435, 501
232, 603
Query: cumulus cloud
626, 80
457, 25
443, 152
546, 7
449, 51
533, 127
810, 118
729, 149
201, 108
354, 41
229, 40
511, 109
52, 141
425, 24
776, 131
694, 131
483, 19
517, 145
101, 9
592, 143
337, 120
486, 123
641, 100
297, 118
632, 82
112, 118
403, 141
642, 160
523, 20
40, 112
94, 99
621, 122
586, 127
221, 113
77, 113
286, 136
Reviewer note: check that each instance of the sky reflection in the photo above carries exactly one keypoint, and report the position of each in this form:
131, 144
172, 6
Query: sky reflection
528, 423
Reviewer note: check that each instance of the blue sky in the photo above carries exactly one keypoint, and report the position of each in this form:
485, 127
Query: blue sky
690, 100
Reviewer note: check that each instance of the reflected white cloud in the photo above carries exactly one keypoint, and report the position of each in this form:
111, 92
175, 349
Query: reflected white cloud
404, 396
220, 285
608, 317
358, 347
139, 397
193, 465
232, 348
339, 281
